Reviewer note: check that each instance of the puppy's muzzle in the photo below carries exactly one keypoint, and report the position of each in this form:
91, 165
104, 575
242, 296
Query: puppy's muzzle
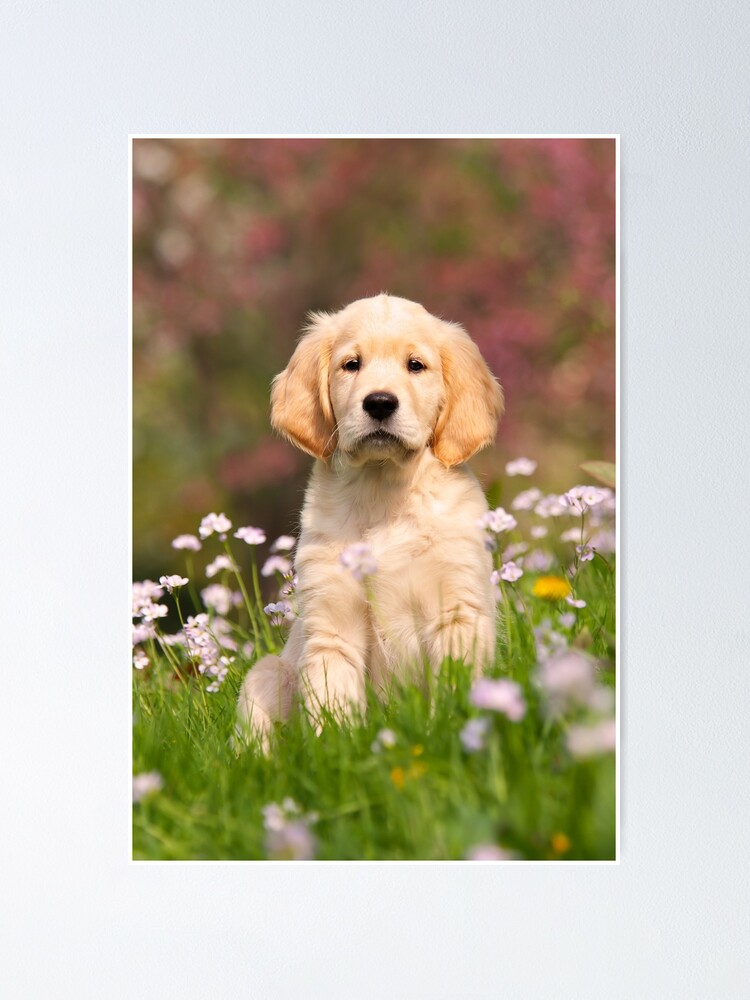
380, 405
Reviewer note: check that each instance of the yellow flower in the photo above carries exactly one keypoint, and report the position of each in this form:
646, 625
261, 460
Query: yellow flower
417, 750
417, 769
551, 588
560, 843
398, 777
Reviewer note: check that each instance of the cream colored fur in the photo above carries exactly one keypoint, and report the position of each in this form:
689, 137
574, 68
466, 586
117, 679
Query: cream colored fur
408, 497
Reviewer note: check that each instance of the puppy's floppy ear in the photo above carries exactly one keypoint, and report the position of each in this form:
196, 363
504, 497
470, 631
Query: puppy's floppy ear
473, 403
300, 404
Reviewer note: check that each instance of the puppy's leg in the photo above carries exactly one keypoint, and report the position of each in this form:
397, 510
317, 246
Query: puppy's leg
460, 619
265, 697
462, 632
333, 662
267, 693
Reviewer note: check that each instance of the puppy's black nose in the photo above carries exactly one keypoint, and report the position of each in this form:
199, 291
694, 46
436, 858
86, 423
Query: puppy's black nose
380, 404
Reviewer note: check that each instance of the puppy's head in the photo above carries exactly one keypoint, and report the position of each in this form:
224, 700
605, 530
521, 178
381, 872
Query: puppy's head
381, 381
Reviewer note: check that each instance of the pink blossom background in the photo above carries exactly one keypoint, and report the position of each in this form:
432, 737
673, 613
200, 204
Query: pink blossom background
235, 240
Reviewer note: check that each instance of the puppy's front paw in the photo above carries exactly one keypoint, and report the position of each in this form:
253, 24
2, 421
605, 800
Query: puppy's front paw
333, 688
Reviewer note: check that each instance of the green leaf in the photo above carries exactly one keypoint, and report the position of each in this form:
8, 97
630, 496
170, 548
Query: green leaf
603, 472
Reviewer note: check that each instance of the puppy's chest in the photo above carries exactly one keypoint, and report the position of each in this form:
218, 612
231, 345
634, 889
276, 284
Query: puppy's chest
397, 532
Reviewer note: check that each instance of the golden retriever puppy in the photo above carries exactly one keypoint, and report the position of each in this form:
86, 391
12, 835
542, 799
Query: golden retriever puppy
390, 401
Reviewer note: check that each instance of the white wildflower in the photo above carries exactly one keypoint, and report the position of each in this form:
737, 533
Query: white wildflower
581, 498
140, 660
575, 602
280, 612
385, 738
521, 467
218, 597
502, 695
219, 671
143, 631
473, 734
253, 536
221, 562
552, 505
567, 679
186, 542
592, 741
497, 520
145, 784
526, 499
288, 835
284, 543
218, 523
276, 564
145, 592
511, 572
150, 612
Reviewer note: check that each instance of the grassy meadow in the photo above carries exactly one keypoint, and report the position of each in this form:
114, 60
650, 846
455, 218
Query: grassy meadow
519, 765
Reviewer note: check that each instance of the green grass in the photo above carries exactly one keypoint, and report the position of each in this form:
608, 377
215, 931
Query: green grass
425, 798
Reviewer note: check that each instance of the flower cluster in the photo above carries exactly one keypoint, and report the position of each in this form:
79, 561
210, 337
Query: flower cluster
581, 498
280, 612
145, 593
208, 638
206, 645
593, 506
566, 677
570, 685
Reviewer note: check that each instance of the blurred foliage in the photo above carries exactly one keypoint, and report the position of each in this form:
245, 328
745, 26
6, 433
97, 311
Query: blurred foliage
236, 240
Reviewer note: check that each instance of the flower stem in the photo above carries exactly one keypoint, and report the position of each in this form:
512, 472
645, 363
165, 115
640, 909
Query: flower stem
245, 597
259, 599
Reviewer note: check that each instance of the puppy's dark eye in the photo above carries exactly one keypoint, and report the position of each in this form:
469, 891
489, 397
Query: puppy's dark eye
415, 366
352, 365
